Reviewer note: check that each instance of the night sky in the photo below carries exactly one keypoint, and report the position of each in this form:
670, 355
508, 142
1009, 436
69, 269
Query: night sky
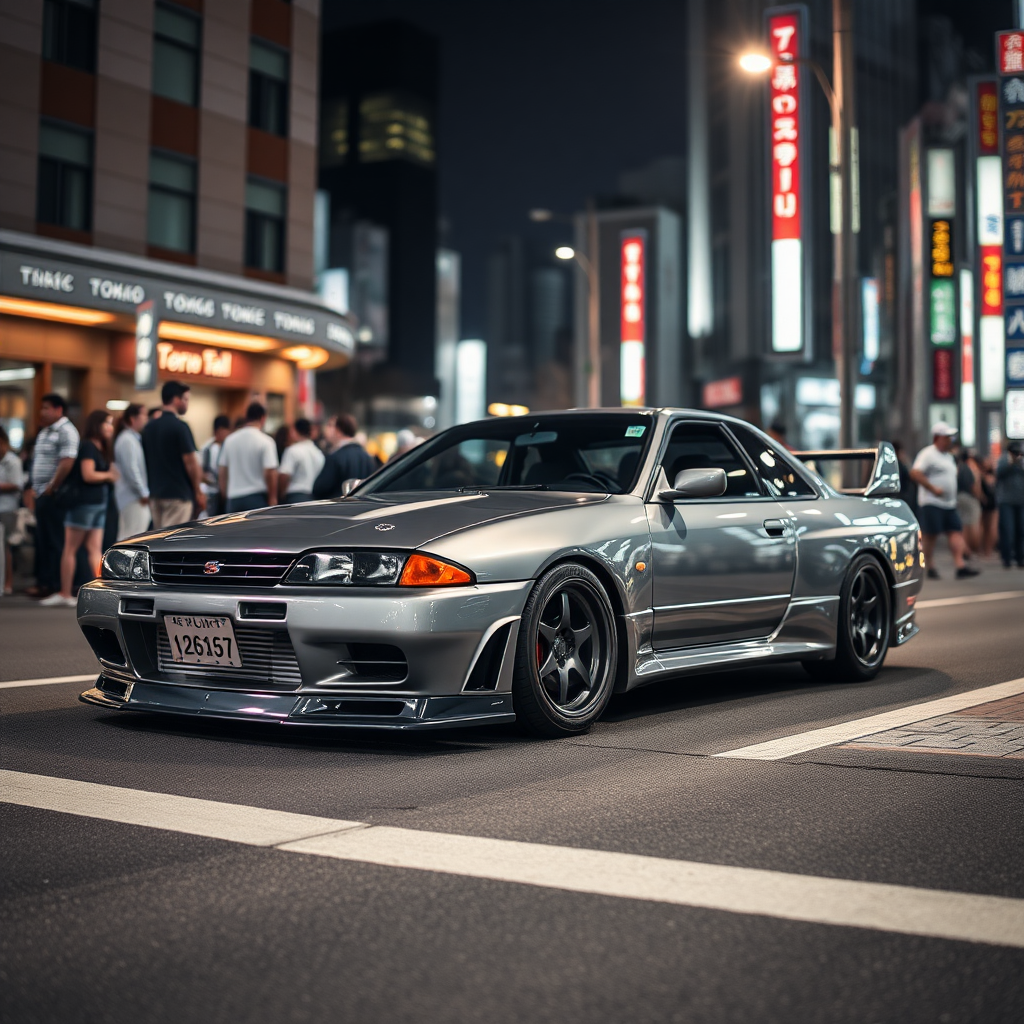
545, 102
540, 107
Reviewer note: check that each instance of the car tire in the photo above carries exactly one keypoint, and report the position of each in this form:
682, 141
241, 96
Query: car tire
566, 655
864, 626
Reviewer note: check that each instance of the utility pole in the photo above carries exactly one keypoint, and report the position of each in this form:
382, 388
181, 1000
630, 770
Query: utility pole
845, 283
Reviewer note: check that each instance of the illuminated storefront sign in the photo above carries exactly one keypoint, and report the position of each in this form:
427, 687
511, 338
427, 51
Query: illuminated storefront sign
785, 31
992, 280
988, 119
968, 405
942, 374
1010, 51
717, 394
633, 319
145, 341
208, 363
1015, 415
942, 248
943, 313
869, 322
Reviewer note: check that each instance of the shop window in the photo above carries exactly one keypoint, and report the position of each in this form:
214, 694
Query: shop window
69, 33
275, 413
176, 55
264, 226
268, 88
65, 177
172, 202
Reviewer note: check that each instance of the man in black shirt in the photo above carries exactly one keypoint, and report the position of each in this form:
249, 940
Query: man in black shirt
346, 459
172, 465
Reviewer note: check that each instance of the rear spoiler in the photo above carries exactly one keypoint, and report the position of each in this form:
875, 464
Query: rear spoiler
884, 478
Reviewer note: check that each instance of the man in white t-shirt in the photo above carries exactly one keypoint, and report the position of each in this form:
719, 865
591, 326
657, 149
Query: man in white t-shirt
209, 460
934, 472
248, 464
300, 465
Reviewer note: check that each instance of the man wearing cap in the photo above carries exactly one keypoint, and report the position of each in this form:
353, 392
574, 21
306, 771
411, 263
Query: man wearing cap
934, 472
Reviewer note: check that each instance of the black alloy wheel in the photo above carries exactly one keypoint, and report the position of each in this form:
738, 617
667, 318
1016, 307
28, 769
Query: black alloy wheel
566, 654
864, 627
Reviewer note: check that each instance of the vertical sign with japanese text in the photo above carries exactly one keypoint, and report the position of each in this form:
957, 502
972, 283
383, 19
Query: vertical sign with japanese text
145, 346
1010, 65
633, 322
786, 141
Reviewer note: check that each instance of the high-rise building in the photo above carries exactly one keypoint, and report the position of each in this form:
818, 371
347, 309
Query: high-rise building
378, 165
159, 155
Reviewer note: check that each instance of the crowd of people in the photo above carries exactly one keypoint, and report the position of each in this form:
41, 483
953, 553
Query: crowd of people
83, 492
976, 503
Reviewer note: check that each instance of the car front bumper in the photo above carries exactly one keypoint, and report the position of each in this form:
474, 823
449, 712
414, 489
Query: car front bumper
447, 654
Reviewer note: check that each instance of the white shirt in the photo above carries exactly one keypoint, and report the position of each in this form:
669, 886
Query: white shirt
302, 462
247, 453
132, 483
10, 473
940, 470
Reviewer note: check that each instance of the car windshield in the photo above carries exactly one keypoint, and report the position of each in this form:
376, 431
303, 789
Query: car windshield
598, 453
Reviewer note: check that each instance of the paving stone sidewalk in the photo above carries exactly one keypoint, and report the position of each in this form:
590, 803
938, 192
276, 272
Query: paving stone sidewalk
995, 729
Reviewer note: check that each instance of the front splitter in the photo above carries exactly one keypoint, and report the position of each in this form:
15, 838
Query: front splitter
310, 709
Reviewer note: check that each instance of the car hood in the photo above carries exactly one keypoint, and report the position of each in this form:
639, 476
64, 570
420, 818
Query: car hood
402, 521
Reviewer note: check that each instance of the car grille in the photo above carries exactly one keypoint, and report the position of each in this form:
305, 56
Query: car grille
268, 662
237, 569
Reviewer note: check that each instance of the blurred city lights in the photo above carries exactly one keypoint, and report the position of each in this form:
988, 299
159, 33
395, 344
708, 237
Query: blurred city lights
565, 252
755, 63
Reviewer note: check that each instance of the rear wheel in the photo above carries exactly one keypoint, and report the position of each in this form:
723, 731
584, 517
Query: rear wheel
864, 627
566, 654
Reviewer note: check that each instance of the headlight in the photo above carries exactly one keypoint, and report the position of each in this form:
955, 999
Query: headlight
349, 568
126, 564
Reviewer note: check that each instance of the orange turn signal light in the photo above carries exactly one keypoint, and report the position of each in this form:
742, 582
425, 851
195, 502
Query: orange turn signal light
424, 571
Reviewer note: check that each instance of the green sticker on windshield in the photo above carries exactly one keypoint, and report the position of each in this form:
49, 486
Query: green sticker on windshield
635, 431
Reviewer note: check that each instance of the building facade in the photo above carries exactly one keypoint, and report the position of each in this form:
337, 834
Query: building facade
165, 153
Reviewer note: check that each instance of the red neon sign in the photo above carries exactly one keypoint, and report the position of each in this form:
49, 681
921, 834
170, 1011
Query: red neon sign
784, 40
633, 288
991, 280
1011, 52
942, 374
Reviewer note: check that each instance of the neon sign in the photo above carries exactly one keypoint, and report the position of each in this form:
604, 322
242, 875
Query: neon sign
633, 324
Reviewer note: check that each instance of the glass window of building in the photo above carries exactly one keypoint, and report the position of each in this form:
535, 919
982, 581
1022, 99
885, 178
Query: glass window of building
395, 126
176, 54
65, 176
69, 33
268, 88
264, 226
172, 202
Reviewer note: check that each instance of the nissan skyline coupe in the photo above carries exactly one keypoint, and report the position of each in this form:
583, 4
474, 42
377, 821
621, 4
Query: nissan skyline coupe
518, 569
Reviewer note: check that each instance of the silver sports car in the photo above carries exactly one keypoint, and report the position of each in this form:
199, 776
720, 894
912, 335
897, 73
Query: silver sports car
518, 569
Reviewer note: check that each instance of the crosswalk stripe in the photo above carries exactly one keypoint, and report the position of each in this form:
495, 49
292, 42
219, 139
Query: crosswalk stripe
49, 681
965, 917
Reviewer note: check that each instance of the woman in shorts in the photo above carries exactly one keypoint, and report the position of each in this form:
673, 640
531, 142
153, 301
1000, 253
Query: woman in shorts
87, 484
968, 501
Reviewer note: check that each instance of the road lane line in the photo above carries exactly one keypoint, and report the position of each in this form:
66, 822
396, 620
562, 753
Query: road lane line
946, 602
963, 917
801, 742
50, 681
233, 822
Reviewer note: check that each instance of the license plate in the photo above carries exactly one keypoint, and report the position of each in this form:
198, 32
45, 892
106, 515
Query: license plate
202, 640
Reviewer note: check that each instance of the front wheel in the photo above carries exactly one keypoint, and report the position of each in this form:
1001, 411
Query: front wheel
864, 627
566, 654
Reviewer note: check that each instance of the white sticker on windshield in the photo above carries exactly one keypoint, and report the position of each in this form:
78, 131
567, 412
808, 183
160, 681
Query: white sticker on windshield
635, 431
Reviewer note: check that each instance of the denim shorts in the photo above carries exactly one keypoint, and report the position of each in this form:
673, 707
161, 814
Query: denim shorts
935, 520
86, 517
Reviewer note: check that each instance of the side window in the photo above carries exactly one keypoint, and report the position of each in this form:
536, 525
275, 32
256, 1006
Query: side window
705, 446
778, 475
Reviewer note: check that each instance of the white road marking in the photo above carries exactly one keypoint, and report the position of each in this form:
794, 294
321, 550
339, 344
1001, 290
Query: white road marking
50, 681
787, 746
233, 822
946, 602
964, 917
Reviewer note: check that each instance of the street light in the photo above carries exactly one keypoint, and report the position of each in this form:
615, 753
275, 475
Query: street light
845, 286
592, 364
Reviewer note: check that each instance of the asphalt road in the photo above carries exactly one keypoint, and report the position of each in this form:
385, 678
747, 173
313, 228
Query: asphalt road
101, 920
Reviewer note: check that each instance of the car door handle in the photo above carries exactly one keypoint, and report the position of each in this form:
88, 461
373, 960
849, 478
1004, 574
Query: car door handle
775, 527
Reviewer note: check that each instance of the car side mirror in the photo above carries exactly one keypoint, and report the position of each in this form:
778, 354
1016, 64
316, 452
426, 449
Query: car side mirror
349, 485
696, 483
